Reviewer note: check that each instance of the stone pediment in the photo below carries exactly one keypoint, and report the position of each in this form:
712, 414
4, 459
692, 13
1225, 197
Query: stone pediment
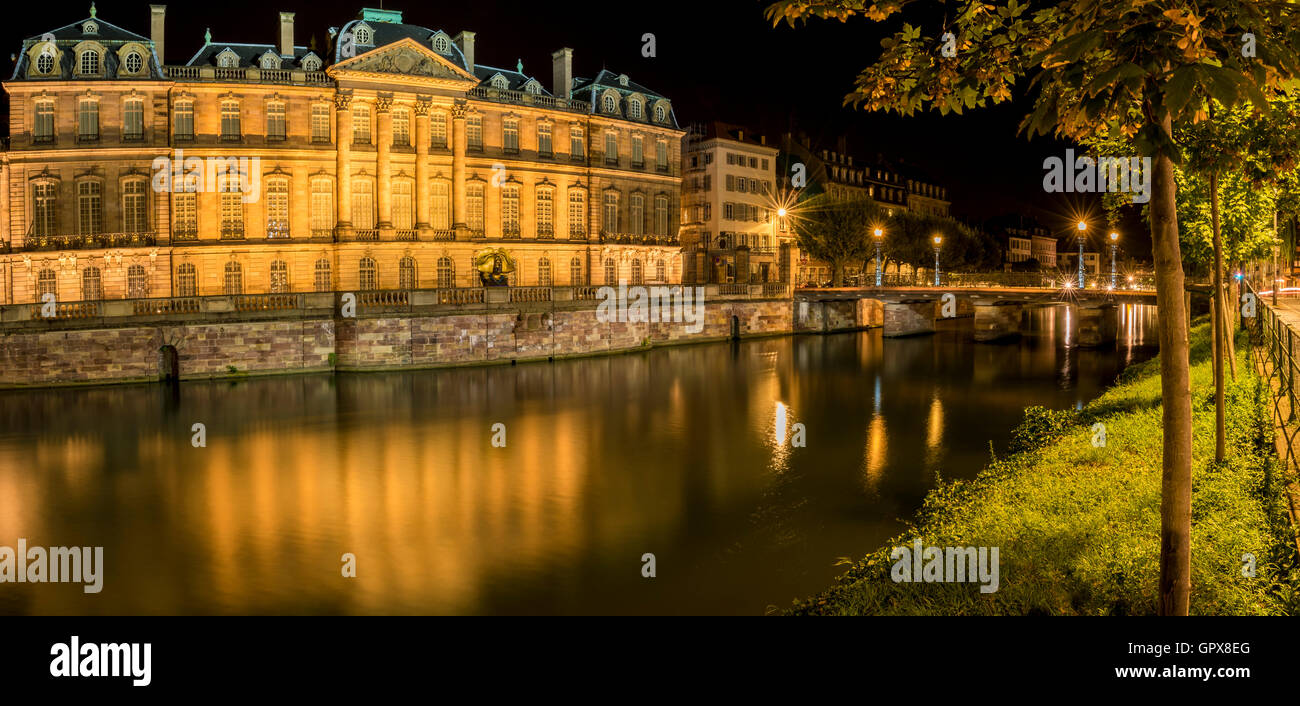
407, 58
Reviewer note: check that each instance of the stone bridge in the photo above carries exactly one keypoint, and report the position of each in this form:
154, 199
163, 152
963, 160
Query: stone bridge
997, 312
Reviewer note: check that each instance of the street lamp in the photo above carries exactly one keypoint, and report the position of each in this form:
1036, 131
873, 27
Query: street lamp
1083, 233
938, 242
879, 236
1114, 246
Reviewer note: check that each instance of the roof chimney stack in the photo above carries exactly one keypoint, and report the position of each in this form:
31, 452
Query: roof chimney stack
465, 40
157, 13
562, 73
286, 34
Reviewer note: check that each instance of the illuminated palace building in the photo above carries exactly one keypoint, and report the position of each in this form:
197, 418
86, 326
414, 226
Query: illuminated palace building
390, 160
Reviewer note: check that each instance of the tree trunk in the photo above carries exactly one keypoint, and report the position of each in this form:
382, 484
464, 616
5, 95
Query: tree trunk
1175, 392
1219, 320
837, 274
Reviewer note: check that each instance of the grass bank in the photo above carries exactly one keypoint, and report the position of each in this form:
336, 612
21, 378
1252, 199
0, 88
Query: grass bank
1078, 525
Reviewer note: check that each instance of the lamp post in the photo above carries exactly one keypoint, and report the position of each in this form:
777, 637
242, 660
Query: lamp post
1083, 233
879, 235
1114, 246
938, 242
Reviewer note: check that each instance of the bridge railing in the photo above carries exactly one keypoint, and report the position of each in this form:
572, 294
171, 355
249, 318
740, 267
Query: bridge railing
1274, 347
991, 280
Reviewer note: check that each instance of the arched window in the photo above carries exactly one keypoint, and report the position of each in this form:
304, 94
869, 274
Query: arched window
137, 282
363, 35
46, 283
89, 63
368, 274
406, 273
269, 61
638, 273
134, 62
92, 284
661, 115
610, 103
227, 60
499, 82
187, 281
279, 277
661, 215
234, 280
311, 63
575, 272
544, 272
446, 273
634, 109
441, 45
45, 63
403, 205
323, 283
44, 208
611, 272
577, 213
441, 204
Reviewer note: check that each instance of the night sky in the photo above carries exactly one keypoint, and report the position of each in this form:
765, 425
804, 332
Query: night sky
716, 59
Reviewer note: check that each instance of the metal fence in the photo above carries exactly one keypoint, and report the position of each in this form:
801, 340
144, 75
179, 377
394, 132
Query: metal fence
1273, 351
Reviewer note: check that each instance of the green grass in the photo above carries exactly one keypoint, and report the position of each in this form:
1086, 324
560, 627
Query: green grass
1078, 527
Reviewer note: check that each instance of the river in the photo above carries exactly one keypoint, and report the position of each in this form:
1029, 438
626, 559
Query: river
686, 453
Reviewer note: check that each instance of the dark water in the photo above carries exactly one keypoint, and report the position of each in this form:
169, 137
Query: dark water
680, 452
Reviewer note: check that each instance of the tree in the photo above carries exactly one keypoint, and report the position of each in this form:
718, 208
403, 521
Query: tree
837, 232
1129, 68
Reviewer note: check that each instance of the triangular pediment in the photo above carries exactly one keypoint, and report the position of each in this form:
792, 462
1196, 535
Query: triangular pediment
405, 57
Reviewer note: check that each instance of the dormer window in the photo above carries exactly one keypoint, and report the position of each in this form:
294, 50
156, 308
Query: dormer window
499, 82
89, 62
311, 63
90, 27
270, 61
610, 104
45, 63
134, 62
227, 59
533, 87
634, 109
622, 80
661, 115
441, 44
363, 35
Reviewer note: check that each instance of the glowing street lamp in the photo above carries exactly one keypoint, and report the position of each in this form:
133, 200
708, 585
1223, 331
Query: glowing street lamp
879, 236
938, 242
1114, 246
1083, 233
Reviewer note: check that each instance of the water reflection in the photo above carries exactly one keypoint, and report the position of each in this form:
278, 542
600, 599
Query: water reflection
684, 452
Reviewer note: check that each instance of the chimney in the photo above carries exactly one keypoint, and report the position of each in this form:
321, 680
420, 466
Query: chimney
562, 73
465, 40
842, 144
762, 140
157, 13
286, 34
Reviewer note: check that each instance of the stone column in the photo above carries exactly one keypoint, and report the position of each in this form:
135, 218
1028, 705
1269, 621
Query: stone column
384, 180
422, 166
343, 167
459, 205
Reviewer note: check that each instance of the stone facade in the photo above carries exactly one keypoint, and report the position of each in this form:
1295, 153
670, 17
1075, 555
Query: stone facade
390, 161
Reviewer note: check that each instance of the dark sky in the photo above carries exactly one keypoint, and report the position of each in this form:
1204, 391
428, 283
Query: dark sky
716, 59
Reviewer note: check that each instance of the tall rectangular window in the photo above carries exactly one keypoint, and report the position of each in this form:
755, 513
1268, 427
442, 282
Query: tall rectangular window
661, 215
577, 143
230, 129
185, 215
544, 147
545, 213
474, 200
135, 209
441, 205
611, 148
275, 121
43, 122
183, 120
638, 151
133, 119
474, 131
510, 135
322, 206
401, 128
88, 120
636, 217
403, 205
363, 205
44, 208
320, 122
438, 129
661, 155
361, 125
89, 208
510, 209
277, 208
611, 211
577, 213
232, 209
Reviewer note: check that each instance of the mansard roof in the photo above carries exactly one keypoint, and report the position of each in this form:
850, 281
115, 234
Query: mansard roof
389, 32
609, 79
68, 36
516, 80
249, 54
